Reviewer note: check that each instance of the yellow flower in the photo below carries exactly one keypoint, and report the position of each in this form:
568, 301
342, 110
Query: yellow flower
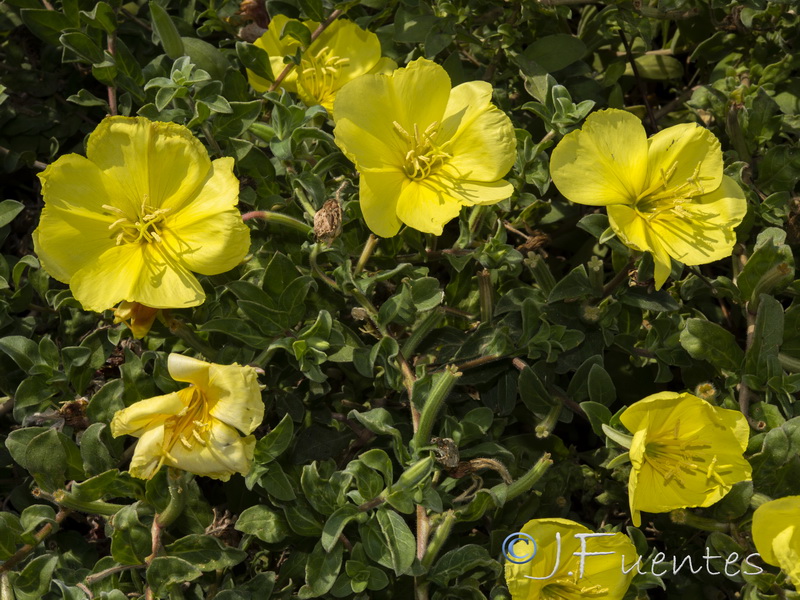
665, 195
341, 53
133, 219
423, 150
685, 452
195, 429
565, 567
776, 534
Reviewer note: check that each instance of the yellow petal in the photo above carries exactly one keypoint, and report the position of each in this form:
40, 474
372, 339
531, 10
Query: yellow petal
636, 232
603, 163
208, 235
482, 141
141, 273
770, 520
149, 453
469, 192
378, 196
155, 163
138, 317
277, 48
73, 228
686, 151
384, 65
786, 546
146, 414
705, 232
224, 453
426, 207
188, 369
236, 397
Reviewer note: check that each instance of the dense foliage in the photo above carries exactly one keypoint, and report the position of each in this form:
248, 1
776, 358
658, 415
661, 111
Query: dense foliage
425, 396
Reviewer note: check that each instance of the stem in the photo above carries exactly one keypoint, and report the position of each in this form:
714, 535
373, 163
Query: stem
177, 481
279, 219
112, 89
98, 507
545, 428
485, 294
304, 202
35, 164
317, 32
40, 535
190, 338
527, 481
428, 324
640, 82
618, 279
439, 538
94, 578
442, 386
366, 253
7, 406
312, 259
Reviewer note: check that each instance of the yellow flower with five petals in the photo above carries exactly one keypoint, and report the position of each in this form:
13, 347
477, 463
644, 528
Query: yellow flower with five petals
134, 218
666, 195
685, 452
195, 429
776, 534
341, 53
423, 149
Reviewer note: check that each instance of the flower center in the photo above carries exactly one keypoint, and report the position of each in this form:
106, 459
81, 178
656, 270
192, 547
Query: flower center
567, 589
670, 457
320, 72
145, 226
665, 195
190, 426
424, 156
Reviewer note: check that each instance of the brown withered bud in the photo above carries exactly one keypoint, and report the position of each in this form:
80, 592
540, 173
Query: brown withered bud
74, 413
256, 11
328, 221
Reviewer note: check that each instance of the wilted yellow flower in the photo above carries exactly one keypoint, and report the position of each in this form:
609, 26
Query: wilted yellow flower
571, 563
423, 150
776, 534
133, 219
138, 317
195, 429
665, 195
685, 452
341, 53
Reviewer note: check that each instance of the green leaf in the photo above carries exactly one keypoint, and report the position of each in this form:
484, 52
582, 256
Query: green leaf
206, 57
130, 540
461, 560
23, 351
8, 210
313, 9
256, 59
166, 571
272, 445
335, 525
102, 15
46, 24
657, 66
298, 31
598, 415
554, 52
165, 31
601, 386
33, 582
275, 481
705, 340
322, 569
207, 553
10, 530
761, 359
264, 523
426, 293
82, 45
399, 540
